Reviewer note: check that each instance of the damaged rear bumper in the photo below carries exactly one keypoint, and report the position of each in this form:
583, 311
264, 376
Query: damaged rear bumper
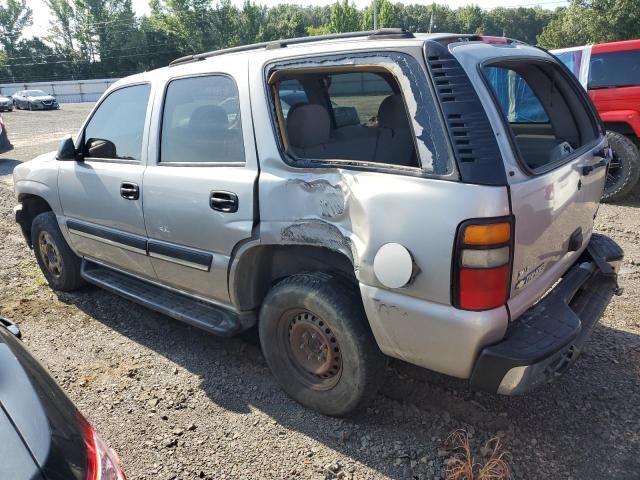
547, 339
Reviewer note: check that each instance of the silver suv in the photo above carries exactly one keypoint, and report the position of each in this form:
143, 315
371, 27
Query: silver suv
359, 196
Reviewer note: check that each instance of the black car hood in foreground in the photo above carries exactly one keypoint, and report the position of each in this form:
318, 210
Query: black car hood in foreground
42, 416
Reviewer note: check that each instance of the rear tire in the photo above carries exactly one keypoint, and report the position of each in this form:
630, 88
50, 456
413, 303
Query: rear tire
624, 170
60, 266
316, 339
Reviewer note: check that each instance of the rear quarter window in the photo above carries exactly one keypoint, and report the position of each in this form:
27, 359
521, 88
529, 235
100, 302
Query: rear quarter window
547, 119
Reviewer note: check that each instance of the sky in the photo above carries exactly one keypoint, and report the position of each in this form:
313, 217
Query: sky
41, 13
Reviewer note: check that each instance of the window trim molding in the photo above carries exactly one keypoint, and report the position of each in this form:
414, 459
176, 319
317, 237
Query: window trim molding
158, 161
82, 135
572, 83
295, 162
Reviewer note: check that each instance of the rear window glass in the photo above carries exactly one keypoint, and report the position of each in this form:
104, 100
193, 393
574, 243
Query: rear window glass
546, 116
517, 100
615, 69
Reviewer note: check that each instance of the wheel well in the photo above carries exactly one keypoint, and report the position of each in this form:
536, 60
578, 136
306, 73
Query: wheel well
262, 267
32, 206
622, 128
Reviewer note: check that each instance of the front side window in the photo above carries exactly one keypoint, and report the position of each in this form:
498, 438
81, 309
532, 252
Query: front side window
615, 69
116, 128
546, 116
201, 121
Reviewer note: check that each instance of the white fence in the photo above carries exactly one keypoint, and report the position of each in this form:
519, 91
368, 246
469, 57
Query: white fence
71, 91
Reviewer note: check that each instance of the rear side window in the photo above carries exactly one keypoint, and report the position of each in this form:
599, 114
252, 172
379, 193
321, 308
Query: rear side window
547, 118
291, 93
116, 128
346, 116
356, 97
615, 69
201, 121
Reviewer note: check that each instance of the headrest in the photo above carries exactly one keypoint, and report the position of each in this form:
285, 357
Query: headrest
391, 113
308, 125
210, 117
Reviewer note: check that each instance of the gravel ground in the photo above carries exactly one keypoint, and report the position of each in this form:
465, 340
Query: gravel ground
177, 403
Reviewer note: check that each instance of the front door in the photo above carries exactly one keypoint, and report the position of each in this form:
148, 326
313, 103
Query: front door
199, 190
102, 195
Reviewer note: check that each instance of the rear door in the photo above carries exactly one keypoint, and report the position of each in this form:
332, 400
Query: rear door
558, 146
200, 181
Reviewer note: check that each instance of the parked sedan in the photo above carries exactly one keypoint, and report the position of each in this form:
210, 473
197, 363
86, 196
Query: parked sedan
6, 104
43, 436
5, 144
34, 100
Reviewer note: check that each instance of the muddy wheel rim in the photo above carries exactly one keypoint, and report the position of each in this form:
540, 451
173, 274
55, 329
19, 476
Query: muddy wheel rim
312, 348
50, 254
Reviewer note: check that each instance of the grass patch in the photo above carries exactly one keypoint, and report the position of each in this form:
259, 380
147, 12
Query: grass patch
38, 280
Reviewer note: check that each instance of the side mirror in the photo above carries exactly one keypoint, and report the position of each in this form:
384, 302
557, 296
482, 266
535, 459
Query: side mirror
100, 148
67, 150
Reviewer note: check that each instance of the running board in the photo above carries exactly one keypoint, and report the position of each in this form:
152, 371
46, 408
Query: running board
182, 307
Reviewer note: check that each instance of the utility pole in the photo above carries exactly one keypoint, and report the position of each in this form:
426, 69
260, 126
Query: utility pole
375, 14
431, 24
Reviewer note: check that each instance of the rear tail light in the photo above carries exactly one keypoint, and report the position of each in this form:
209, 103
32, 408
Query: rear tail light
482, 263
102, 462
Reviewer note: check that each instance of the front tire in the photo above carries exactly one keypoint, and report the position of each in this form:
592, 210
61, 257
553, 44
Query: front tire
316, 339
60, 266
624, 169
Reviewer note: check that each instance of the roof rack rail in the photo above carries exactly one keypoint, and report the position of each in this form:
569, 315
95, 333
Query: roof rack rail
383, 33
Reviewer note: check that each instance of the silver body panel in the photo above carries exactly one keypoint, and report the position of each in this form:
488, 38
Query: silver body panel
350, 211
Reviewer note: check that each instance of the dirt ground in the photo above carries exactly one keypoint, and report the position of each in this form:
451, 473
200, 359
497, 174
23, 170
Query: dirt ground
177, 403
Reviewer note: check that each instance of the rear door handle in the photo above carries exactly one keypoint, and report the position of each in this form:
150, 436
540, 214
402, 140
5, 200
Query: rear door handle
605, 154
222, 201
129, 190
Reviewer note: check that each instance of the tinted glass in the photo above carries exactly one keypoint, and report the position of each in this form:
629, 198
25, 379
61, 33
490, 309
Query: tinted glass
116, 128
615, 69
517, 100
544, 135
201, 121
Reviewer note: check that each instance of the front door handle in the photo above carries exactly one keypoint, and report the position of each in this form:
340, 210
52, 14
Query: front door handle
222, 201
130, 191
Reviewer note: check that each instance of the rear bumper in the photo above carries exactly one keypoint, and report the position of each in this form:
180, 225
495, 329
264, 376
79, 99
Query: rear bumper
548, 338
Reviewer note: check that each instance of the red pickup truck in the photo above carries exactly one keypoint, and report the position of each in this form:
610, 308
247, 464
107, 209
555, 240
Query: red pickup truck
611, 74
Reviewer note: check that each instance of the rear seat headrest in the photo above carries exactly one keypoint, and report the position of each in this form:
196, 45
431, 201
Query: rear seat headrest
209, 117
391, 113
308, 125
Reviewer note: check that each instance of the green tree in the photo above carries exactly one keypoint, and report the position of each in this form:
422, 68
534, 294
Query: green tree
14, 18
344, 17
251, 17
387, 15
593, 21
